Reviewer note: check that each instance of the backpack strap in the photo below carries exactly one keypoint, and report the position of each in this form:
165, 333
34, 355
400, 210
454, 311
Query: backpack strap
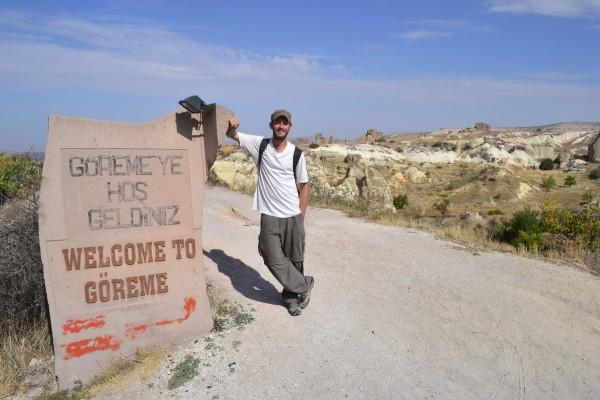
297, 154
261, 150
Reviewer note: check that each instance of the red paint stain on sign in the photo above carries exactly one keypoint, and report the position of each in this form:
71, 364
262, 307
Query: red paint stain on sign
189, 307
77, 325
86, 346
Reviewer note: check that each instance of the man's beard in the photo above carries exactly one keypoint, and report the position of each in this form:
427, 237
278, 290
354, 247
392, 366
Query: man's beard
281, 138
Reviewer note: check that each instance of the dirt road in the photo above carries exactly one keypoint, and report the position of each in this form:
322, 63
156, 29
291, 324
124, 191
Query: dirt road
395, 314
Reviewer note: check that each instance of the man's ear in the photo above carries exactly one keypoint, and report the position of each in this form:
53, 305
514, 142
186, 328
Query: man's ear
271, 125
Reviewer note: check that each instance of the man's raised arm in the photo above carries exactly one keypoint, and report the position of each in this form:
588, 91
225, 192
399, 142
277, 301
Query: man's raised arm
232, 129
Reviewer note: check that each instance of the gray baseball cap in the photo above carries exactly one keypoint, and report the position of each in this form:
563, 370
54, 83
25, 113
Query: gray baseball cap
281, 113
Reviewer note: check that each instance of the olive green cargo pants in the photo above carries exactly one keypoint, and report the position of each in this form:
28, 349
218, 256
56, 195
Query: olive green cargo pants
281, 245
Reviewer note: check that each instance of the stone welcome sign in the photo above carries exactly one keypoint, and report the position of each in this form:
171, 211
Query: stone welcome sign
120, 235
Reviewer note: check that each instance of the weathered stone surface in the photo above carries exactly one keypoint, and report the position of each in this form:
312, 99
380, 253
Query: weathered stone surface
594, 149
350, 173
319, 139
482, 126
121, 235
574, 165
236, 171
415, 175
376, 191
372, 136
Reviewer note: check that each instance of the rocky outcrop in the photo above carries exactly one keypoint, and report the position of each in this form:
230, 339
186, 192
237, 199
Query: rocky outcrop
594, 149
372, 136
482, 126
319, 139
349, 179
369, 175
236, 171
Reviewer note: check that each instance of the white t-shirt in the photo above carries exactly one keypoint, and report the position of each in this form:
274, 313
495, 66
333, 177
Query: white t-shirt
276, 193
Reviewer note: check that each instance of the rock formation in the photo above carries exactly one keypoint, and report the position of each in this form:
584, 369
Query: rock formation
482, 126
319, 139
370, 175
594, 149
372, 135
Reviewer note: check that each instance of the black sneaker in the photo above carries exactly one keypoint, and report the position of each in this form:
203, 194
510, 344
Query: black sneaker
294, 308
305, 297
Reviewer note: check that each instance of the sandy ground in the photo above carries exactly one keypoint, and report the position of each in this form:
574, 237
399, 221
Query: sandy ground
395, 314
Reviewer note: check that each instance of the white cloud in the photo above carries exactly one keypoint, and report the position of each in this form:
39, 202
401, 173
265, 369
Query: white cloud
423, 34
128, 61
558, 8
451, 25
439, 28
81, 52
555, 76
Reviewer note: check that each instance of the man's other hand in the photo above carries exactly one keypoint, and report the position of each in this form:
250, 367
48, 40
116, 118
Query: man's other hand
231, 133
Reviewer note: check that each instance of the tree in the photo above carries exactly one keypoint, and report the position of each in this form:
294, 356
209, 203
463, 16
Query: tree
548, 183
524, 229
442, 206
546, 164
570, 181
400, 201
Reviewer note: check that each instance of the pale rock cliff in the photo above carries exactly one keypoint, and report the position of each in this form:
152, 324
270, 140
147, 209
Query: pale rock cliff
369, 175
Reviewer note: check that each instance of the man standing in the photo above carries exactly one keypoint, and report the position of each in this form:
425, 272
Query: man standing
282, 198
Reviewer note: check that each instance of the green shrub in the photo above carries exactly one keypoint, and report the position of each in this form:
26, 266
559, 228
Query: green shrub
557, 228
20, 176
570, 181
400, 201
380, 140
546, 164
590, 232
564, 221
594, 174
243, 318
548, 183
313, 145
184, 371
524, 229
442, 206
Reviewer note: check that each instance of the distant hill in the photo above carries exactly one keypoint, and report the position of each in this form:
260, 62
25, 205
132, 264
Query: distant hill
564, 126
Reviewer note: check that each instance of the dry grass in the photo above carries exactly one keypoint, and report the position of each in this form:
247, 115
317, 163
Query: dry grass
18, 346
140, 365
452, 228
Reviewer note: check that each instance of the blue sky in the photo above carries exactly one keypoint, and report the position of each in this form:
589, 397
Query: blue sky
339, 67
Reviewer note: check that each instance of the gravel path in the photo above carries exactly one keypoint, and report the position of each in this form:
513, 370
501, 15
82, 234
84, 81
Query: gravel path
395, 314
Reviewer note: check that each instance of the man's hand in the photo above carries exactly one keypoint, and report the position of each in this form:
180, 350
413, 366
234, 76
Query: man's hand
232, 129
